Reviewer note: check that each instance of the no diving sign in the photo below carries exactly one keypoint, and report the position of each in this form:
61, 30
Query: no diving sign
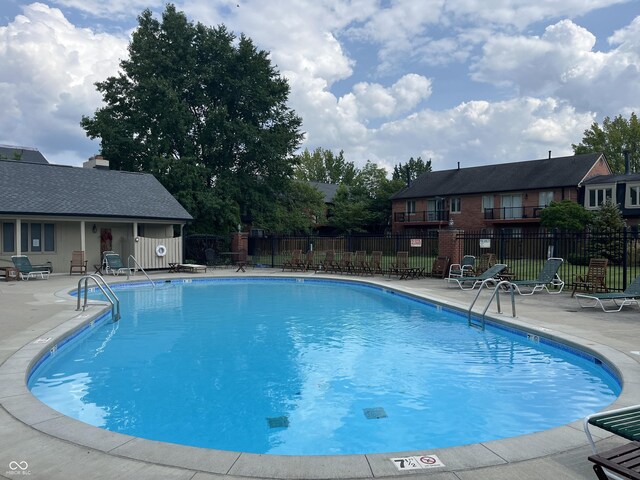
416, 463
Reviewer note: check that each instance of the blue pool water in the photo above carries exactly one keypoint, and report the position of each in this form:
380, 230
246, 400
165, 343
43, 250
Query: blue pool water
312, 367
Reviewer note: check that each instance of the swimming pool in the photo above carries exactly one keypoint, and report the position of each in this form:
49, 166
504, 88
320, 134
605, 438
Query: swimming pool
312, 367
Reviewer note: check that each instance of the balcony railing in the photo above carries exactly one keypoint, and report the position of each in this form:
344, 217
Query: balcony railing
513, 213
434, 216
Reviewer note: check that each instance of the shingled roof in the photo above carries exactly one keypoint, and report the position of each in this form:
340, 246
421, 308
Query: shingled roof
505, 177
44, 189
327, 189
21, 154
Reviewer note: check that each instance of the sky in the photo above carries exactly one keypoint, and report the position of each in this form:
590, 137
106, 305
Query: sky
472, 82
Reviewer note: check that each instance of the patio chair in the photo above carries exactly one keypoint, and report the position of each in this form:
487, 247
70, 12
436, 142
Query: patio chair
295, 262
26, 270
105, 267
78, 262
489, 274
439, 268
307, 263
623, 461
346, 262
630, 296
375, 264
360, 264
463, 269
547, 276
328, 264
485, 262
115, 265
401, 266
595, 279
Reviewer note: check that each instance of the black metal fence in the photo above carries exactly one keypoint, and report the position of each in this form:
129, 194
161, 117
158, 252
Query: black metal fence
524, 253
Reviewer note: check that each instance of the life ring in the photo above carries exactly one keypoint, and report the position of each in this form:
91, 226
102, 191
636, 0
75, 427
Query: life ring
161, 250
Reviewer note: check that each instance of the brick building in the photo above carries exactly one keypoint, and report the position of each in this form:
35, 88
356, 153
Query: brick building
509, 196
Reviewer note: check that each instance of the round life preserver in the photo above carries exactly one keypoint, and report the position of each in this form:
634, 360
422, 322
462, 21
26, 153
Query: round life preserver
161, 250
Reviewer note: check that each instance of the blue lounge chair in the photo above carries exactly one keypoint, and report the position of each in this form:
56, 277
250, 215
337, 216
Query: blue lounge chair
27, 271
629, 297
547, 276
489, 274
115, 265
463, 269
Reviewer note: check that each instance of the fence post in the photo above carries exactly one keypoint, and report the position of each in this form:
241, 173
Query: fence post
273, 251
625, 260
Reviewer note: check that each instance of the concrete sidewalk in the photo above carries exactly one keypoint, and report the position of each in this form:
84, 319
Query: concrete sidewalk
45, 444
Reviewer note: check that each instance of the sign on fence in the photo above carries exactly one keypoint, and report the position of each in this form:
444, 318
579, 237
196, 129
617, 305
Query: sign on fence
416, 242
485, 243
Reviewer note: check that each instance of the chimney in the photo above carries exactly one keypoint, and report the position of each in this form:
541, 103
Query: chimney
549, 154
627, 165
458, 165
96, 162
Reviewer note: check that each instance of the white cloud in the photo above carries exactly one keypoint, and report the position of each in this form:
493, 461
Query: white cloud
111, 8
476, 133
563, 63
47, 79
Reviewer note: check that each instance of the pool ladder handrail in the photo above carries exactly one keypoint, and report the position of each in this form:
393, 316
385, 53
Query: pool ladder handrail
104, 287
496, 294
131, 257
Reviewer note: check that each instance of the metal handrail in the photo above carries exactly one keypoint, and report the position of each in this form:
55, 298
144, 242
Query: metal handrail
131, 257
100, 283
496, 295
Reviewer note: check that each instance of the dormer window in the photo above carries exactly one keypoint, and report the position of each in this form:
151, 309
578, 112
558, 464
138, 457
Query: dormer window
633, 195
597, 196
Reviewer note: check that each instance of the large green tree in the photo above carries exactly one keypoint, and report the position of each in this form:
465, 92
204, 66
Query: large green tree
411, 170
613, 138
324, 166
205, 112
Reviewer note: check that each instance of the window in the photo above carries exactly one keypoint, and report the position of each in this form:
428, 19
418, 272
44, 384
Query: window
597, 196
633, 197
511, 206
37, 237
515, 232
49, 237
545, 199
487, 202
455, 205
411, 207
9, 237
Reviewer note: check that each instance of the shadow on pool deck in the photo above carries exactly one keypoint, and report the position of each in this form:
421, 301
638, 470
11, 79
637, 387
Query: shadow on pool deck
53, 446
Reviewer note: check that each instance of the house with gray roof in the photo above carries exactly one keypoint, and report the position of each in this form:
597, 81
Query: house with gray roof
507, 197
21, 154
48, 211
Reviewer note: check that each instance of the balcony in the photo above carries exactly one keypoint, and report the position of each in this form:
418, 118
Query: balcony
513, 214
431, 216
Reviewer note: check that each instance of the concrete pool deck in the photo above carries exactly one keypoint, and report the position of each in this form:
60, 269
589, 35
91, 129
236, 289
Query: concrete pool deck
42, 443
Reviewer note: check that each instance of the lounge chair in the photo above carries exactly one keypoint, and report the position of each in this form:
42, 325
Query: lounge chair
463, 269
78, 262
115, 265
629, 297
26, 270
622, 462
346, 262
489, 274
595, 279
375, 264
360, 264
328, 264
307, 262
295, 262
547, 276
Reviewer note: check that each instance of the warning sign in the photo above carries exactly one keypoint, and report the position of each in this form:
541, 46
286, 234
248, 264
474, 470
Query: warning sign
415, 463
